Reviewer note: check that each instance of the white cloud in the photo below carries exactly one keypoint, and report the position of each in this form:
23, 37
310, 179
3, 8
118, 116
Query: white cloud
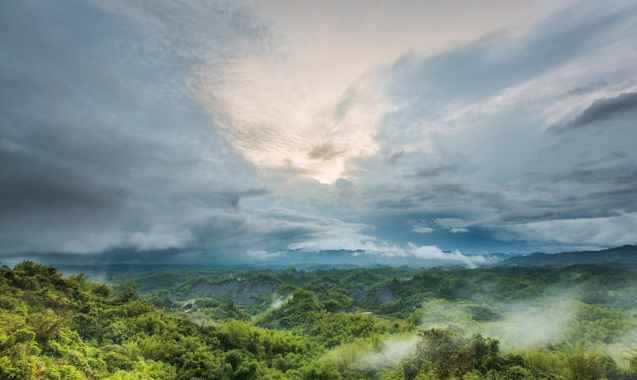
602, 232
454, 225
260, 255
423, 230
451, 222
432, 252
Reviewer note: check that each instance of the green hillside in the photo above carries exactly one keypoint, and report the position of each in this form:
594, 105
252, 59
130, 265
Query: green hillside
491, 323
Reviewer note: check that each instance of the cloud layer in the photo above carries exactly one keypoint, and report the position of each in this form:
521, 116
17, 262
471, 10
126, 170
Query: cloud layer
210, 130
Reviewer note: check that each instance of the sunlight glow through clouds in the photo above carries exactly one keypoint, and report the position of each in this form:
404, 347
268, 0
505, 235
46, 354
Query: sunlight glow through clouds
279, 124
247, 128
313, 100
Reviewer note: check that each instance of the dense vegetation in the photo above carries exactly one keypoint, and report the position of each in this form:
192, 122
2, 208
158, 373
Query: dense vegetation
577, 322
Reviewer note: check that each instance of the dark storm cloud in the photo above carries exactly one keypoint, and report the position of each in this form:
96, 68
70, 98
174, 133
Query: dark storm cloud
102, 146
602, 111
31, 184
104, 151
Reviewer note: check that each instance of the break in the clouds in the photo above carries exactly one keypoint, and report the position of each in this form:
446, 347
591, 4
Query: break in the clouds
214, 131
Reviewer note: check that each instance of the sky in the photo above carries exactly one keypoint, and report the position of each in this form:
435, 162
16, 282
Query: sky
281, 130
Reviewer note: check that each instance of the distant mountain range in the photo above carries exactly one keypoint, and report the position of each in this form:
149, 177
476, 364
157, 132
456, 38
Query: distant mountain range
343, 259
622, 256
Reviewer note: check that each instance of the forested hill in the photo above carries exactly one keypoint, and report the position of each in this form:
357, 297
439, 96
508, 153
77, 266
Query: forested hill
74, 329
486, 323
620, 256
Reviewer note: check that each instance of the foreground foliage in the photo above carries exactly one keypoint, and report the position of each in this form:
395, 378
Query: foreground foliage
56, 327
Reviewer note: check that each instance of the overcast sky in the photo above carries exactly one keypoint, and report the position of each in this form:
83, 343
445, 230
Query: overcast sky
209, 131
